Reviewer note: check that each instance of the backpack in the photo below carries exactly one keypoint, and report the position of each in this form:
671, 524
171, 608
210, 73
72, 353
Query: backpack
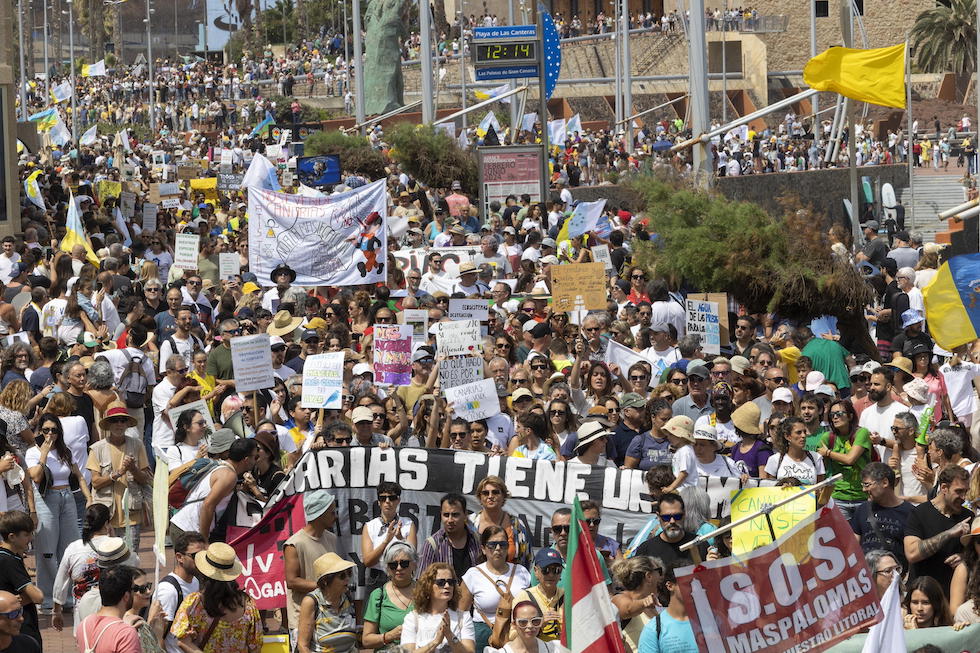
169, 579
196, 345
832, 439
133, 383
187, 480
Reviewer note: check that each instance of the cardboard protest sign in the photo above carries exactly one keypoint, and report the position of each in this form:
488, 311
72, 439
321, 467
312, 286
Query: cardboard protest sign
228, 265
418, 318
577, 286
702, 320
186, 247
806, 591
226, 161
473, 401
187, 172
160, 192
228, 181
460, 371
469, 309
200, 406
251, 359
721, 299
459, 338
756, 533
393, 353
150, 217
323, 381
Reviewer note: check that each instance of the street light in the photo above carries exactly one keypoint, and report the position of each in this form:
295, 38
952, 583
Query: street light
71, 67
47, 67
23, 70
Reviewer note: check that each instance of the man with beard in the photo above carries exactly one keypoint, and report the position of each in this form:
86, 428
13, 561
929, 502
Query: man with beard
283, 293
811, 410
667, 544
176, 586
933, 532
105, 631
879, 416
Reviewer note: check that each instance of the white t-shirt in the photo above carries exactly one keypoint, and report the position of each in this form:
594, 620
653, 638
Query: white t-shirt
76, 437
376, 530
185, 348
117, 359
7, 266
51, 315
420, 629
720, 466
725, 430
484, 591
910, 485
806, 470
166, 594
684, 460
500, 430
661, 360
163, 260
180, 454
163, 434
60, 472
880, 420
959, 387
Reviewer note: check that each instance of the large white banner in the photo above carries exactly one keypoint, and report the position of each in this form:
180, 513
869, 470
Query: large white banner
330, 241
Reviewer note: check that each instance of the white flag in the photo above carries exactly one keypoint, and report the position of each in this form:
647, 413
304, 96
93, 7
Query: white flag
88, 138
261, 174
527, 122
888, 635
574, 125
95, 70
556, 131
62, 92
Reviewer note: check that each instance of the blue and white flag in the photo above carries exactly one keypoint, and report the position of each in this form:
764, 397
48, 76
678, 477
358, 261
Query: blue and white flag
574, 125
585, 217
62, 92
489, 120
261, 174
493, 93
90, 135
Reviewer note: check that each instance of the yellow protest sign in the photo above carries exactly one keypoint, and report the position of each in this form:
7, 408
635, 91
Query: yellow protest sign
275, 644
107, 189
578, 286
208, 186
748, 501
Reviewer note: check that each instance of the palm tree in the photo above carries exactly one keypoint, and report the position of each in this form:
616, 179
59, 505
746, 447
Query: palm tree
945, 38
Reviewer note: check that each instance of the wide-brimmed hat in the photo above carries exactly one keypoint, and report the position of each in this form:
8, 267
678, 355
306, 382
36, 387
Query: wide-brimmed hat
115, 410
316, 503
330, 563
746, 418
268, 442
249, 288
901, 363
218, 562
589, 432
707, 433
917, 389
283, 324
974, 531
466, 268
221, 440
680, 426
282, 268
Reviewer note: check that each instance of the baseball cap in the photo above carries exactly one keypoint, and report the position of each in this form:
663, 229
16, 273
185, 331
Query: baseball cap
310, 334
784, 395
362, 368
276, 341
632, 400
362, 414
547, 557
421, 354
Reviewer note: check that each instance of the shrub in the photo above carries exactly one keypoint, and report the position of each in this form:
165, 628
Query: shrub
432, 157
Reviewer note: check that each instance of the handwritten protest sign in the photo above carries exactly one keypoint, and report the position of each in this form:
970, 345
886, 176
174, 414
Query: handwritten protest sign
206, 185
185, 172
469, 309
127, 204
226, 161
702, 320
601, 254
805, 592
150, 217
458, 338
228, 265
473, 401
418, 318
393, 353
323, 381
229, 181
251, 359
107, 188
185, 251
578, 286
460, 371
721, 299
750, 500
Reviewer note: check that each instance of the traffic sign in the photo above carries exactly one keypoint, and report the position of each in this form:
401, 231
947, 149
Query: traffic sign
506, 72
506, 32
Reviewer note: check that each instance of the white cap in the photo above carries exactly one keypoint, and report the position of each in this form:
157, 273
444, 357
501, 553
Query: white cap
276, 340
813, 381
362, 368
782, 394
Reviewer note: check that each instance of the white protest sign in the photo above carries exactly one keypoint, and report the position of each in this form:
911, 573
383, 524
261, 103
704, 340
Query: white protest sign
419, 319
170, 202
185, 251
702, 320
460, 371
127, 204
469, 309
622, 355
150, 217
323, 381
226, 160
601, 254
200, 406
251, 359
273, 152
459, 338
228, 265
474, 401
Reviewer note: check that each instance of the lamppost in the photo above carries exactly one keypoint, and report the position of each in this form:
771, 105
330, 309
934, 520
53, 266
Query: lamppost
47, 67
23, 69
149, 64
71, 68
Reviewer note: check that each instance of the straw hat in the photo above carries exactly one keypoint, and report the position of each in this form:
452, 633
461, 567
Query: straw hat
974, 532
901, 363
746, 418
115, 410
330, 563
283, 324
218, 562
680, 426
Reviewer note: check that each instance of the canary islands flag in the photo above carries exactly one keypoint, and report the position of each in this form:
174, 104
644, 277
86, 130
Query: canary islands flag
876, 76
75, 232
95, 70
492, 93
953, 302
33, 190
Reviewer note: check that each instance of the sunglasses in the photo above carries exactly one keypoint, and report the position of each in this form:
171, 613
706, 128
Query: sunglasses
343, 442
551, 569
637, 377
679, 381
838, 413
48, 429
123, 420
496, 544
13, 614
388, 497
152, 290
557, 413
561, 528
505, 345
637, 276
671, 516
593, 521
777, 379
143, 589
490, 492
539, 367
458, 436
446, 582
399, 564
534, 622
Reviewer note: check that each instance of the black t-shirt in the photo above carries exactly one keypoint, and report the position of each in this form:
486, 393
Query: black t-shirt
461, 560
886, 531
13, 579
670, 551
84, 407
22, 644
925, 522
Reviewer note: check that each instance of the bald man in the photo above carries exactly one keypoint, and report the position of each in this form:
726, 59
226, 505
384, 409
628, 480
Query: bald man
11, 618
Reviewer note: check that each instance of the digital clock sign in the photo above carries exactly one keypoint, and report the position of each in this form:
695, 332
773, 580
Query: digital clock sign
491, 53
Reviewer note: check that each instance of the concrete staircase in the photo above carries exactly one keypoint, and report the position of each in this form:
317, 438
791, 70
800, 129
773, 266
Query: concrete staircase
933, 195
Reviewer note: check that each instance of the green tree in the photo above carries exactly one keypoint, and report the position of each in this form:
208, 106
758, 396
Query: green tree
767, 263
355, 152
432, 157
273, 20
945, 38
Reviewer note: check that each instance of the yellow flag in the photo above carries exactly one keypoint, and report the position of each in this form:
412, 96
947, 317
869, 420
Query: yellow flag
876, 76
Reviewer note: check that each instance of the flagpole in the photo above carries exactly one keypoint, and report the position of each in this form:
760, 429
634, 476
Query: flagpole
847, 23
71, 67
358, 66
23, 70
908, 105
543, 103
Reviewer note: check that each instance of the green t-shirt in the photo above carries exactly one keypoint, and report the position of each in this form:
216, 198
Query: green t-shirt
814, 441
829, 356
380, 610
849, 487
